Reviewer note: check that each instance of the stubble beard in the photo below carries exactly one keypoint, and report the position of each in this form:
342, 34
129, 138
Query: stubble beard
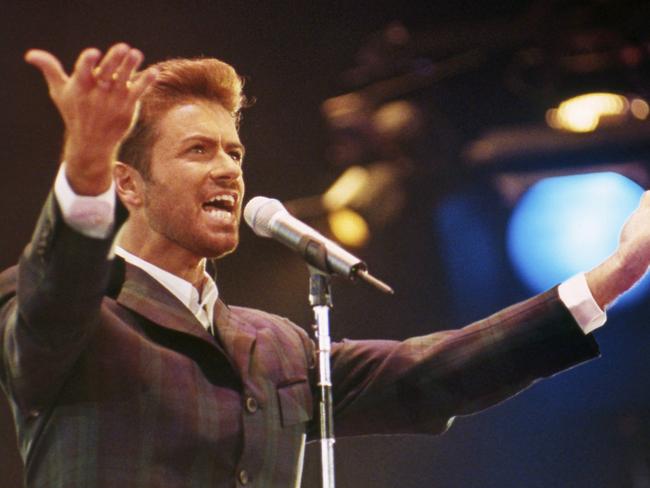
185, 230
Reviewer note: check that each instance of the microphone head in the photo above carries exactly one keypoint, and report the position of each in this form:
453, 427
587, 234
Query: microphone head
258, 213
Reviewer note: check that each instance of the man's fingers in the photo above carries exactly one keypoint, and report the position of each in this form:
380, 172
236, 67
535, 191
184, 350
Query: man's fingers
126, 70
49, 65
141, 82
84, 66
104, 73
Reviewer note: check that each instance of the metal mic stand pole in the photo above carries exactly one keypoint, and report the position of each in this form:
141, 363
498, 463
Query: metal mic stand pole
321, 301
320, 298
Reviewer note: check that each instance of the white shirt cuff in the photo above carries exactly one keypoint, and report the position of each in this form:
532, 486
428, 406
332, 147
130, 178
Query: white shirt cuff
577, 297
92, 216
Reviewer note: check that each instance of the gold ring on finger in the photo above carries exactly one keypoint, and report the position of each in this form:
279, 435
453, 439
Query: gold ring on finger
115, 76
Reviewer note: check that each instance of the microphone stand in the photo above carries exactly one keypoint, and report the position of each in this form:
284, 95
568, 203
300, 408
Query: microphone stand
320, 299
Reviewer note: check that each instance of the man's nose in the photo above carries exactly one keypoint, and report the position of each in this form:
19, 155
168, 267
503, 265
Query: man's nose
224, 167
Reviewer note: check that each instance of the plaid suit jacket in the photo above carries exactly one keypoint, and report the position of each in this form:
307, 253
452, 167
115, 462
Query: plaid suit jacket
113, 382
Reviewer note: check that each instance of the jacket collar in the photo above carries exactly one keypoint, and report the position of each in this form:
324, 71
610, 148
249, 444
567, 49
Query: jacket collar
141, 293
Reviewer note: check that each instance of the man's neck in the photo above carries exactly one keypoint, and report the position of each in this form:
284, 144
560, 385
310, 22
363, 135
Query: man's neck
170, 258
196, 276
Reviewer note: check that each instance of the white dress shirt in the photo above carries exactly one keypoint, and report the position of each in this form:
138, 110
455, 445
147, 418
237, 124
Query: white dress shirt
202, 306
94, 217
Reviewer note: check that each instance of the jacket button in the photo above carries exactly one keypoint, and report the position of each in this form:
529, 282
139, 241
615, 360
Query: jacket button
33, 414
243, 477
251, 404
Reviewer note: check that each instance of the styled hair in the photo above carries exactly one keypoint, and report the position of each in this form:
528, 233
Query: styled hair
180, 81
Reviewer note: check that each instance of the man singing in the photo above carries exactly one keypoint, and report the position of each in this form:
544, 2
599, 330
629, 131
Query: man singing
123, 367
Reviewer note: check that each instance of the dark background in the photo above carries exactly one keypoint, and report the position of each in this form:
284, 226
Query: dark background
586, 428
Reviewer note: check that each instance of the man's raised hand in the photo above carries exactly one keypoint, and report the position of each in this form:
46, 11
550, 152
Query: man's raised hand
629, 262
98, 103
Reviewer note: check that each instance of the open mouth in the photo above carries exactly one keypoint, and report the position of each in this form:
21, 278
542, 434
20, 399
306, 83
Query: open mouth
221, 207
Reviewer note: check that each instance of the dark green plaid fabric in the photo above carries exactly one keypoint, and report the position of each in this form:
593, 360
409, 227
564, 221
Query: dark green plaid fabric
127, 389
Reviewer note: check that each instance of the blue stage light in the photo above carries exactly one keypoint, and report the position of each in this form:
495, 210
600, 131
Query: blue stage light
567, 224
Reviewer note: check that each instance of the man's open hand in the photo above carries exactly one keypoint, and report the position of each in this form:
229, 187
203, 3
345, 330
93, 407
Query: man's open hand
98, 103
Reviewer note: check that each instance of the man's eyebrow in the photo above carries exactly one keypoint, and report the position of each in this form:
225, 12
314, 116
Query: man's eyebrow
213, 141
198, 137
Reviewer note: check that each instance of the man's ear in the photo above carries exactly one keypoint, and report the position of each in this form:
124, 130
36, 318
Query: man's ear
129, 185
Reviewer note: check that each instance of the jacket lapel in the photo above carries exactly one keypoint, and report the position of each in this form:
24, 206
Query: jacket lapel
144, 295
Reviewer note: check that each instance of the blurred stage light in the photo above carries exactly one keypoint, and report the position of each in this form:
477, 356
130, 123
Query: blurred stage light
363, 199
397, 121
346, 188
348, 227
374, 192
585, 113
567, 224
639, 108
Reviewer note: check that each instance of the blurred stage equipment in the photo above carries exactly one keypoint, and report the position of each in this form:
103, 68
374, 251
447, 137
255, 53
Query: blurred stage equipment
551, 101
585, 113
361, 199
592, 128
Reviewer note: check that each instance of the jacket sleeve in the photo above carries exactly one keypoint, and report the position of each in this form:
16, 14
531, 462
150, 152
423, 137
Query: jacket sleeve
419, 385
51, 309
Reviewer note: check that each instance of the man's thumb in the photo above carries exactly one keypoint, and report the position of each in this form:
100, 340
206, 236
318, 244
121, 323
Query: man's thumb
48, 65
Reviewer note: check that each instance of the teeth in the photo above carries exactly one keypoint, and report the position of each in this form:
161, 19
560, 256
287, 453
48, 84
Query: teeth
229, 199
219, 214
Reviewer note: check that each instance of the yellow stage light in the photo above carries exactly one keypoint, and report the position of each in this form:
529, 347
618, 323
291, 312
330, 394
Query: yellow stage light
348, 227
346, 188
583, 113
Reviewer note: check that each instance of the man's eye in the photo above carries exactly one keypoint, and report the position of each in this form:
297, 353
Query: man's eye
236, 156
198, 149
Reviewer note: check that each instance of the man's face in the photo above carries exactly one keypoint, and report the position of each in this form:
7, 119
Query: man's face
193, 197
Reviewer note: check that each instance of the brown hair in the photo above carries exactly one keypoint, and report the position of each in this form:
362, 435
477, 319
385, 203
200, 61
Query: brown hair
180, 81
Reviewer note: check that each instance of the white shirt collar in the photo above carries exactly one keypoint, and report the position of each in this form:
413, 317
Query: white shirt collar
201, 306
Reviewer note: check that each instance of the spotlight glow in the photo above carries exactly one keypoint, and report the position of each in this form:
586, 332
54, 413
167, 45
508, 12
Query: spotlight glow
583, 113
568, 224
348, 227
346, 188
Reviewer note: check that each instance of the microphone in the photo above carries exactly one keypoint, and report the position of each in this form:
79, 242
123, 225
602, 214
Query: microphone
268, 218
